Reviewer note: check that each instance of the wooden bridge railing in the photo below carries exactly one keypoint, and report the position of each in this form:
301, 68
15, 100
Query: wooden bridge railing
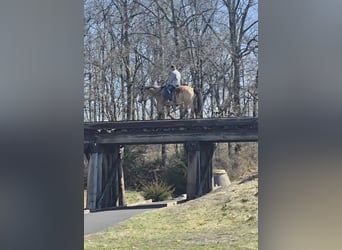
172, 131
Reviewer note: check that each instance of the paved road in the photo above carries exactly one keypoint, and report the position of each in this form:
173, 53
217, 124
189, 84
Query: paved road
98, 221
95, 222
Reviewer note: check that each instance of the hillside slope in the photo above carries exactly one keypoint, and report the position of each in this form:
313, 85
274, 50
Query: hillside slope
224, 219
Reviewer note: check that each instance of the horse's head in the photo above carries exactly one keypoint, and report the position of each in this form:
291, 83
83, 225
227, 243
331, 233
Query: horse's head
149, 92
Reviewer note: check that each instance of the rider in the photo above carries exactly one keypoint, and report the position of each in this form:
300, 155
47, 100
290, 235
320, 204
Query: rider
172, 81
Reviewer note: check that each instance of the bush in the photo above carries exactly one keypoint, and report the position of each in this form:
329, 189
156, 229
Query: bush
157, 191
133, 166
176, 174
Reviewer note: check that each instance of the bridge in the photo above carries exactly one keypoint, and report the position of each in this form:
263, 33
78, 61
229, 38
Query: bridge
104, 145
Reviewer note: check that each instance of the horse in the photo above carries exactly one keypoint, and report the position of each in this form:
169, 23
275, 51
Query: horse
185, 96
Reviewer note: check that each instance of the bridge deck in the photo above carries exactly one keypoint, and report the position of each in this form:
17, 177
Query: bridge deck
172, 131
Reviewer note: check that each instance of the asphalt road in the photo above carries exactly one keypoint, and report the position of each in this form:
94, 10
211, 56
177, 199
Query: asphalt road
95, 222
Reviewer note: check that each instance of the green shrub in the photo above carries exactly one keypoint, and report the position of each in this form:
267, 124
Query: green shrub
176, 174
133, 166
157, 191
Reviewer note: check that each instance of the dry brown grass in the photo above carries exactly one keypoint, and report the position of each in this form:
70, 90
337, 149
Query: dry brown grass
240, 164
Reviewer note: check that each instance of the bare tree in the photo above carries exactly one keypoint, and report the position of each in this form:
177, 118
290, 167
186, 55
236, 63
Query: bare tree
238, 27
130, 43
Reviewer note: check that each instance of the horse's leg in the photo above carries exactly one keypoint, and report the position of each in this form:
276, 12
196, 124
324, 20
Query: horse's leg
187, 105
174, 109
189, 114
192, 110
168, 112
160, 110
193, 114
186, 111
181, 112
161, 114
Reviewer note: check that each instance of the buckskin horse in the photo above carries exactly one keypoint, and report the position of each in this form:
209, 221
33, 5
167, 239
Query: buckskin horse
184, 96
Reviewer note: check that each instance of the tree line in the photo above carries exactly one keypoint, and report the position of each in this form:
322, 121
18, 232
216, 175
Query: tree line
131, 43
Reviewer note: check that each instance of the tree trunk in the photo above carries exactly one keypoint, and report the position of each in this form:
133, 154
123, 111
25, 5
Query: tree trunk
126, 44
236, 60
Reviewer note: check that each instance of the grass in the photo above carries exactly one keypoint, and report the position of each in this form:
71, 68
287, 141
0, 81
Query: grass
130, 197
224, 219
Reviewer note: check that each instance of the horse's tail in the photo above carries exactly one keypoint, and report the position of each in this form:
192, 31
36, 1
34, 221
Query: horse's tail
198, 103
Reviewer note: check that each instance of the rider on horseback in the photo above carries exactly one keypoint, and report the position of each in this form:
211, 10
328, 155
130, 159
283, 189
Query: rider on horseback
172, 82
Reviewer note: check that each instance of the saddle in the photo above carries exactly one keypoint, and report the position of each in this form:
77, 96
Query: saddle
174, 93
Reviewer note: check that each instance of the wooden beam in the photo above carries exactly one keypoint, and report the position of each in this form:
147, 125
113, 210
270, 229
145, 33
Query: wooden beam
172, 131
216, 122
206, 168
99, 188
171, 138
92, 182
105, 177
193, 151
110, 182
122, 201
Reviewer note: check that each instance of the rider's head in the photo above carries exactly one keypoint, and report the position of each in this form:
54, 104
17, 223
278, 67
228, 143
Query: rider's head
172, 67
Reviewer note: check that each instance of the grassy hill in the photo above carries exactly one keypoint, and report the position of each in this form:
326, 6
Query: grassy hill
224, 219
